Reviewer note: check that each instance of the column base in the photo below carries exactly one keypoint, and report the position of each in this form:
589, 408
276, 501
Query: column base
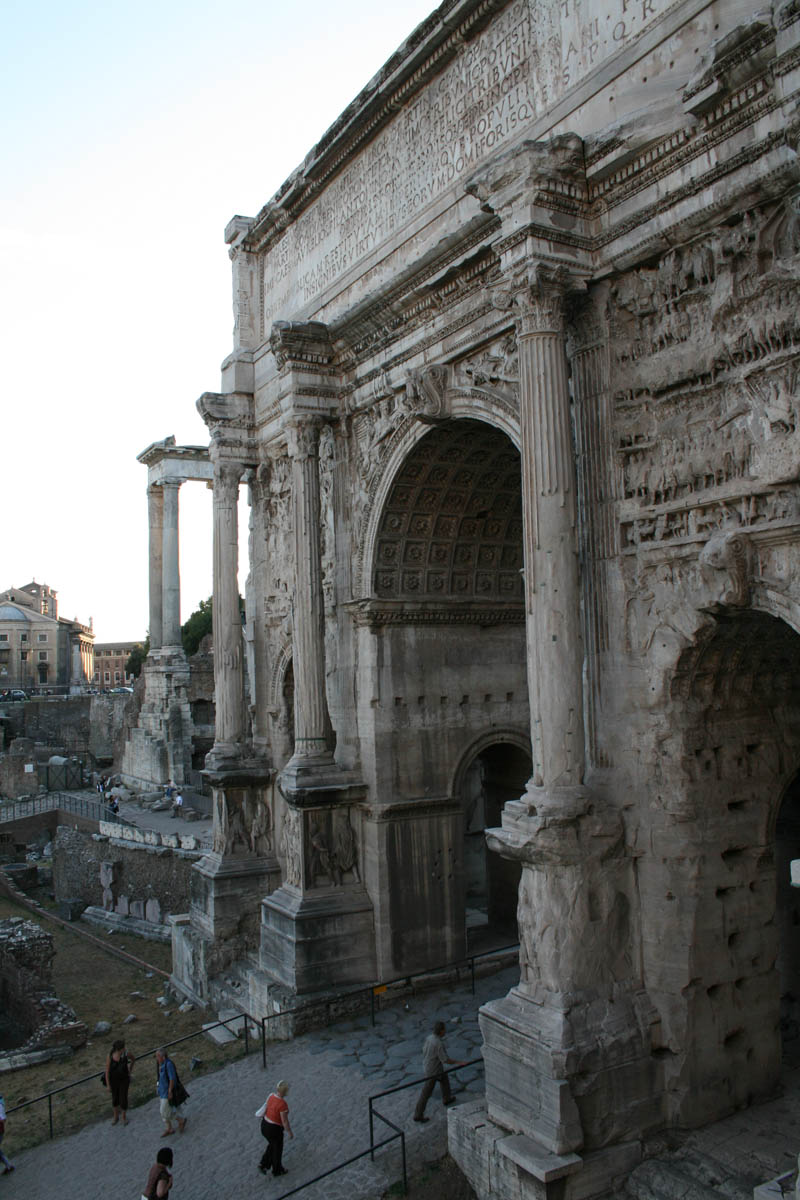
318, 941
518, 1165
574, 1071
226, 895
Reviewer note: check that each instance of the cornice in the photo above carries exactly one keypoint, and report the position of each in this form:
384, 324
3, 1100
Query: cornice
374, 614
432, 45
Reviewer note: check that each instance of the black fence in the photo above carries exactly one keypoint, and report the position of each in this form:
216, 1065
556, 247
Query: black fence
81, 806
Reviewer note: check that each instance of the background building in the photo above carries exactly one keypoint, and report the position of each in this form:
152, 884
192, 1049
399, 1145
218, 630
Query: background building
109, 664
37, 647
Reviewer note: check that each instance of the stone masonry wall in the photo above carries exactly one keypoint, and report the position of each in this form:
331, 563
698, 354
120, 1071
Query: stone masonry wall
86, 726
132, 879
26, 991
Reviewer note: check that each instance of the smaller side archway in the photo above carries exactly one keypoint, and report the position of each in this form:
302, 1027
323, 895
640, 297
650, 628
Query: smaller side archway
494, 771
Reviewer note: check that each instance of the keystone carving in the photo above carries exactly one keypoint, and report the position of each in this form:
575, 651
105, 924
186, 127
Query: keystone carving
725, 565
426, 394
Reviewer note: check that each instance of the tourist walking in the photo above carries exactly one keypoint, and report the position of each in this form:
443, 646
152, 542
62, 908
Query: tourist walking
434, 1059
274, 1113
8, 1166
159, 1180
171, 1093
119, 1066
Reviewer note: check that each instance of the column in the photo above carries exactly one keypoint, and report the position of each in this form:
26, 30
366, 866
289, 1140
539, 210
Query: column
228, 648
555, 646
171, 579
155, 515
311, 718
76, 667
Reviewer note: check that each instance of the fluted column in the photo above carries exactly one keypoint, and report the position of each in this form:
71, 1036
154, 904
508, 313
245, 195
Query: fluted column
311, 718
555, 646
155, 514
227, 622
171, 579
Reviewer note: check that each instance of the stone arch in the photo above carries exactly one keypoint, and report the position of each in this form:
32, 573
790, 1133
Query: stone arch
281, 708
465, 404
734, 721
450, 526
494, 769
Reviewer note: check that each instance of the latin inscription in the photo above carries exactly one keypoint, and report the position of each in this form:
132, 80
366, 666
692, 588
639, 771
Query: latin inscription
589, 36
501, 81
478, 103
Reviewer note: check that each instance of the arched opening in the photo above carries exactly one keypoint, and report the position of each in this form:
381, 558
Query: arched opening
491, 883
725, 850
787, 917
445, 663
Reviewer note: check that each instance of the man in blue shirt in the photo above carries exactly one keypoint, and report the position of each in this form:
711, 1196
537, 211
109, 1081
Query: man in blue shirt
167, 1078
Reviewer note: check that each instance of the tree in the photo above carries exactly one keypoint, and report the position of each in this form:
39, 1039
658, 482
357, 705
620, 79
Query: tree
136, 657
196, 628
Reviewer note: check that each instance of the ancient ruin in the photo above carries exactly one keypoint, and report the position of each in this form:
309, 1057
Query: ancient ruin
34, 1024
513, 392
172, 708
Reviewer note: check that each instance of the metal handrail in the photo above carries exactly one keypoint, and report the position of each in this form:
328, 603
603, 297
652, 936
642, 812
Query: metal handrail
94, 810
339, 1166
246, 1017
401, 1087
377, 989
65, 1087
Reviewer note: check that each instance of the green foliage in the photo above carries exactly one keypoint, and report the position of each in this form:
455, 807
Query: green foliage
196, 628
136, 657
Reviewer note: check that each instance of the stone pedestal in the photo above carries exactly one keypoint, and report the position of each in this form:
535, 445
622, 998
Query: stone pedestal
320, 941
228, 884
569, 1051
317, 930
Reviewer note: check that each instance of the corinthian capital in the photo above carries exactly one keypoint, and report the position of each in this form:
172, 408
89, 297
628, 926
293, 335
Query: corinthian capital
227, 476
536, 298
303, 439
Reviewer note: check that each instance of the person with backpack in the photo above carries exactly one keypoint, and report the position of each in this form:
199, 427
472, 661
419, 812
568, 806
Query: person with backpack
171, 1093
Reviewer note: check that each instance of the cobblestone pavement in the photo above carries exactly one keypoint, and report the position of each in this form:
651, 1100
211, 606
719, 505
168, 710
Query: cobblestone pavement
331, 1072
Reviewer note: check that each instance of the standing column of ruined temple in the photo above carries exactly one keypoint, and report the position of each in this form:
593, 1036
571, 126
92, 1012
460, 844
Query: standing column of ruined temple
228, 648
310, 701
555, 647
171, 578
155, 512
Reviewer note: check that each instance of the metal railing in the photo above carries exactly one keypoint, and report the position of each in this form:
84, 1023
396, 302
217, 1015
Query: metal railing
247, 1019
94, 810
402, 1087
398, 1133
377, 989
48, 1096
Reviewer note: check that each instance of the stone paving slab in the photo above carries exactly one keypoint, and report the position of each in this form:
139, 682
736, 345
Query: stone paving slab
217, 1157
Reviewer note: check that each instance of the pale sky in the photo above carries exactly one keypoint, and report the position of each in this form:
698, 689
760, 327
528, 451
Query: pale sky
134, 131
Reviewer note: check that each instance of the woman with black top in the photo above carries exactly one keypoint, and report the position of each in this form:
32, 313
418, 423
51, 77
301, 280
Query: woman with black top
119, 1066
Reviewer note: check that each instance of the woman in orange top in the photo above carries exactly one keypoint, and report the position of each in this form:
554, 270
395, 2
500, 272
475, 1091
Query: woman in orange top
274, 1114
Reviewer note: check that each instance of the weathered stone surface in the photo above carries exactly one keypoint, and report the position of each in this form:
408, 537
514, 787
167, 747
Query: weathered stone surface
514, 393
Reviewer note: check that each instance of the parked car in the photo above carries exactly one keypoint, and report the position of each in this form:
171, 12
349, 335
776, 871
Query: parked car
13, 694
117, 691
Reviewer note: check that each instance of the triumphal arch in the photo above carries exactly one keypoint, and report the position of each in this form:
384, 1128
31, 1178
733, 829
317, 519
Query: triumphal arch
513, 392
